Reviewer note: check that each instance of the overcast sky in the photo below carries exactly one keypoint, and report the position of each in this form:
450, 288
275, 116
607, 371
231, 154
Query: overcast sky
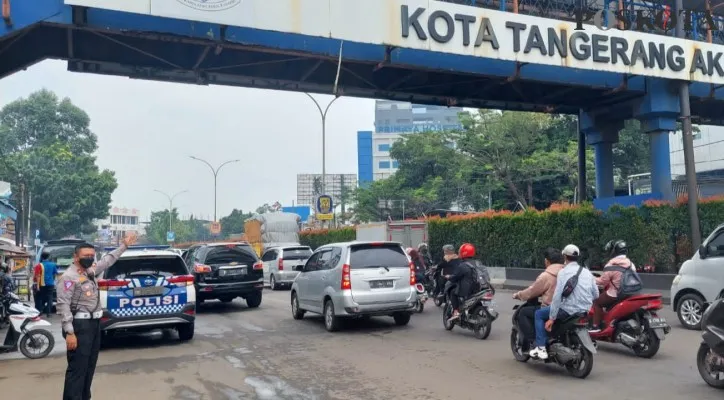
147, 131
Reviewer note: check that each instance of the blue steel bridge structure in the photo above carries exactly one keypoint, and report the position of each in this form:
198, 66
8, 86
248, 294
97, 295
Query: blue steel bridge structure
142, 46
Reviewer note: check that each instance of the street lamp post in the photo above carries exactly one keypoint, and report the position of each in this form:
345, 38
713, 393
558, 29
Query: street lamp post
170, 205
323, 114
216, 174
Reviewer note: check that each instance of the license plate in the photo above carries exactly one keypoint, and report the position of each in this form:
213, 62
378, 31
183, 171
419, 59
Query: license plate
232, 272
380, 284
148, 291
488, 303
657, 322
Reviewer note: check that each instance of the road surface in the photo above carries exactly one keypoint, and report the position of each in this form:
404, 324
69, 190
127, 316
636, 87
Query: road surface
240, 353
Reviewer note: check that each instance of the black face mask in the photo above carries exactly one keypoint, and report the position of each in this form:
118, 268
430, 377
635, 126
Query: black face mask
86, 262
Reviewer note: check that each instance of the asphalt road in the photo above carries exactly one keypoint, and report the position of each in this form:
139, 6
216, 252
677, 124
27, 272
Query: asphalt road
240, 353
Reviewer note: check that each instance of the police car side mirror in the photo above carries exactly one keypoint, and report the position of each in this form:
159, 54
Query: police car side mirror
703, 252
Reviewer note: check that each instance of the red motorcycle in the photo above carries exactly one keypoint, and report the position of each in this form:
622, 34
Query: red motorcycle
634, 323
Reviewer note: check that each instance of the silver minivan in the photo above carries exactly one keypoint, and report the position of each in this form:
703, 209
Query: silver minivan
279, 263
699, 281
355, 279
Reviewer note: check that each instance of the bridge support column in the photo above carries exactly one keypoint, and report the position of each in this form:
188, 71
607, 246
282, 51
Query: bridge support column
602, 135
658, 112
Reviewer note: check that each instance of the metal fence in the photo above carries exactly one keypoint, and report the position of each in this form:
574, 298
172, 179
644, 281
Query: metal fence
632, 10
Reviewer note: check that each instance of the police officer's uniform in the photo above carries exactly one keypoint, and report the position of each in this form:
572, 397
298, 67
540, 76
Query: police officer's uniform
80, 307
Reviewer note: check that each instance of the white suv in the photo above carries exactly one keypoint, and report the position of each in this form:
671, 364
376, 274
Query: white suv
356, 279
700, 280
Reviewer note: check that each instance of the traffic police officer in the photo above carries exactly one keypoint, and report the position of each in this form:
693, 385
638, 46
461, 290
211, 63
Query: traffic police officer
80, 307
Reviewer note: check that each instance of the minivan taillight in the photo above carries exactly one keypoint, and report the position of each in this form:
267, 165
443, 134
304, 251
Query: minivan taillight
281, 264
346, 282
412, 274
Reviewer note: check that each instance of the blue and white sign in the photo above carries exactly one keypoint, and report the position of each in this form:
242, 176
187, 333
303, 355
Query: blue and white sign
37, 233
170, 236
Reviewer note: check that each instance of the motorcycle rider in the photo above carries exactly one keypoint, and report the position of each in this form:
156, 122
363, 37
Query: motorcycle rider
463, 278
420, 267
6, 280
579, 300
543, 287
610, 280
447, 267
425, 253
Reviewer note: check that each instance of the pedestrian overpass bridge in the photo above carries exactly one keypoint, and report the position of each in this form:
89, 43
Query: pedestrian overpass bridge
424, 51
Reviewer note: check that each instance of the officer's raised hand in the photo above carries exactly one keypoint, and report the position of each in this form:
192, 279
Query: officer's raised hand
130, 239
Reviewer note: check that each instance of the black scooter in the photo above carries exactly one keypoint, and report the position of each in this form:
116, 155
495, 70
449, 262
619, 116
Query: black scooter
710, 357
569, 343
476, 314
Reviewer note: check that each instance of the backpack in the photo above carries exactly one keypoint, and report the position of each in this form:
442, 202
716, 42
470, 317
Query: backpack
630, 281
480, 275
571, 284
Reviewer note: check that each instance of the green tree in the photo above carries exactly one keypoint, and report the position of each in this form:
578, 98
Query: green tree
234, 222
47, 145
159, 224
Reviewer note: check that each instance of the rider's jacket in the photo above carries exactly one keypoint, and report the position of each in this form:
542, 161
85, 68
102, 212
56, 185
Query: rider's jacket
543, 287
611, 280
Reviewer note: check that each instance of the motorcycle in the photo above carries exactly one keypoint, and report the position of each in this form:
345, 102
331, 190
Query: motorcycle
634, 323
476, 314
710, 357
569, 344
25, 332
421, 298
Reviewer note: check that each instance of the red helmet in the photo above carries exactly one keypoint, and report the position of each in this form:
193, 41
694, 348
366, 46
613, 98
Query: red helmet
467, 250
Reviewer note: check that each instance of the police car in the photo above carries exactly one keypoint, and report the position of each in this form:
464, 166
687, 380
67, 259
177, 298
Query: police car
148, 288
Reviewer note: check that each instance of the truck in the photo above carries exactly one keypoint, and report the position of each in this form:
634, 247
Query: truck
408, 233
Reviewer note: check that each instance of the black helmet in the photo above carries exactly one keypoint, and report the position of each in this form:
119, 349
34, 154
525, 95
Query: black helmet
616, 248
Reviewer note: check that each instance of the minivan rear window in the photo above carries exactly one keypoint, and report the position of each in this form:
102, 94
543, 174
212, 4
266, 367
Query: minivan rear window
301, 253
376, 256
230, 254
127, 268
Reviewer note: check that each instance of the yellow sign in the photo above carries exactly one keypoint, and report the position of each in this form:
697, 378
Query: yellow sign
215, 228
325, 217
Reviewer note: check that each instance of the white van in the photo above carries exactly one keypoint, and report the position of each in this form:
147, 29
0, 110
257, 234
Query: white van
700, 280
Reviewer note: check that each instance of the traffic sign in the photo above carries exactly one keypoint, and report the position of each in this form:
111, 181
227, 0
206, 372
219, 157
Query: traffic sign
325, 207
170, 236
37, 233
215, 228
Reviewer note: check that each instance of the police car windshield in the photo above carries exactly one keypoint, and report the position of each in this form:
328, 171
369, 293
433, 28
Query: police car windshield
231, 254
127, 268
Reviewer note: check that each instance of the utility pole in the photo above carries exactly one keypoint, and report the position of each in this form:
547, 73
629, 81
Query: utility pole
215, 171
688, 141
170, 206
323, 114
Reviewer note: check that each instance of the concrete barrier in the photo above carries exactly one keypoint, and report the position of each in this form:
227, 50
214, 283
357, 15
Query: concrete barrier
521, 278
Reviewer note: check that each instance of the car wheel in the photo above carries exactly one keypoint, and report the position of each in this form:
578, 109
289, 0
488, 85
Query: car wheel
253, 300
185, 332
331, 321
297, 313
402, 319
689, 310
273, 283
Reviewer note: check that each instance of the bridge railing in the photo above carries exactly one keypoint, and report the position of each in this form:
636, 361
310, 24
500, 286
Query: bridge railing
633, 10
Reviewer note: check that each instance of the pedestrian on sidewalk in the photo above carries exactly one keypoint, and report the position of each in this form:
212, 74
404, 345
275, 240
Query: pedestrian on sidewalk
80, 306
45, 274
